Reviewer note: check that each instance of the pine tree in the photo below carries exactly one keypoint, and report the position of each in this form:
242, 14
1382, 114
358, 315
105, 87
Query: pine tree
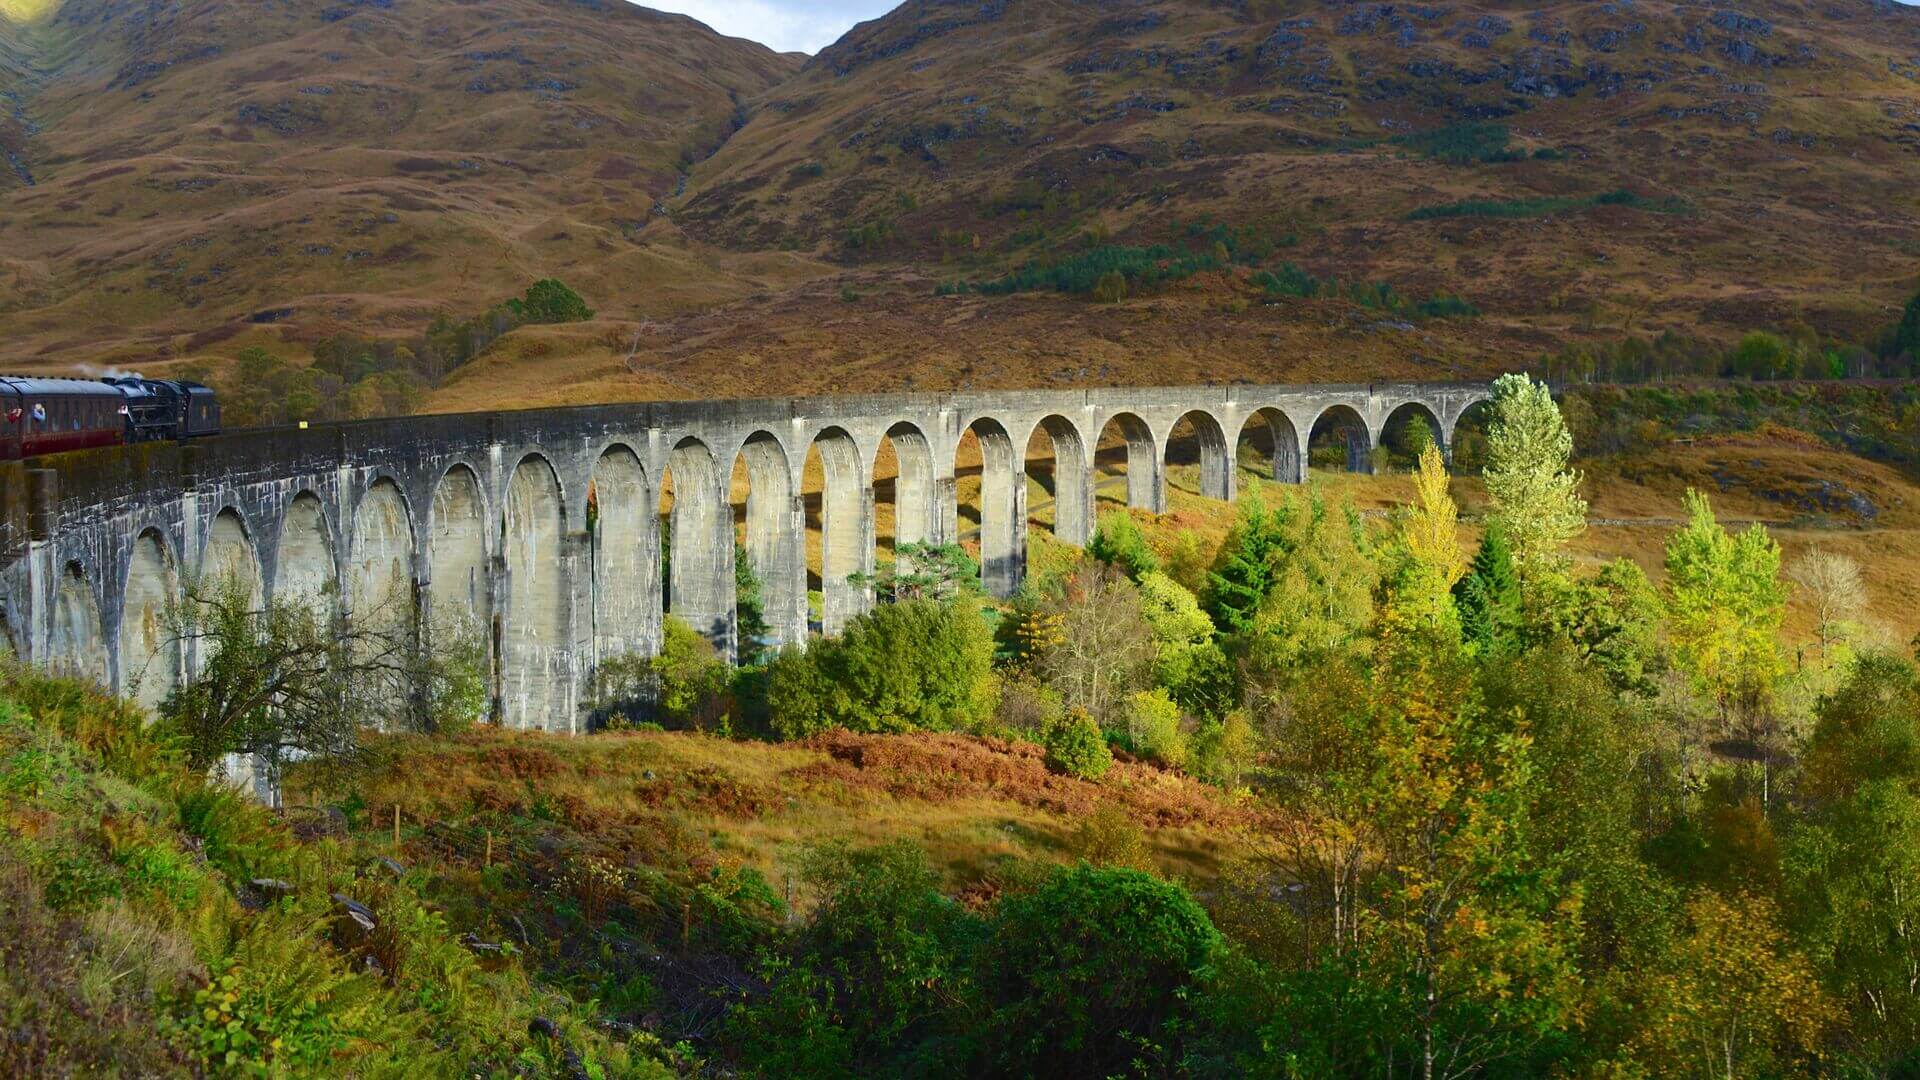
1488, 597
1245, 571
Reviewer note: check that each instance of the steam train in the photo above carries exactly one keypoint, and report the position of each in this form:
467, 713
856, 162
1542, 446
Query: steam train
48, 416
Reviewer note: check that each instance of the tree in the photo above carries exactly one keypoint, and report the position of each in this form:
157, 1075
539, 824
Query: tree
913, 665
1118, 542
1853, 865
1153, 728
1243, 571
1488, 597
925, 572
1725, 603
1092, 973
550, 301
1761, 355
686, 685
1614, 620
1441, 924
286, 681
1090, 640
1076, 746
1430, 534
1838, 590
1187, 661
750, 619
1536, 497
1906, 335
1732, 998
1295, 580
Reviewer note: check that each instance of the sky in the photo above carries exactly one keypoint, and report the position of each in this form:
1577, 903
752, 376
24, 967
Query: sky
782, 25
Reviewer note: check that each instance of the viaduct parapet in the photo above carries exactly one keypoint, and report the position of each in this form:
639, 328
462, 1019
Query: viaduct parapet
542, 529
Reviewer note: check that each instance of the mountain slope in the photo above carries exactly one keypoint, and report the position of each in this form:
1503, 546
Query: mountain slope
207, 173
1669, 166
181, 164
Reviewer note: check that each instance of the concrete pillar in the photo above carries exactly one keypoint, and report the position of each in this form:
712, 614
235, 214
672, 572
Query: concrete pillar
1003, 511
1359, 449
776, 539
1146, 475
1216, 462
701, 591
537, 633
457, 596
148, 656
1072, 482
846, 530
575, 666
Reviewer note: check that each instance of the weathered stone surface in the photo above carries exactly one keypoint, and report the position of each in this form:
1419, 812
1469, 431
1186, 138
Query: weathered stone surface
479, 523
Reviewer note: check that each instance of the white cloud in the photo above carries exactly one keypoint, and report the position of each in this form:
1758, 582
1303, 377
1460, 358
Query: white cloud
782, 25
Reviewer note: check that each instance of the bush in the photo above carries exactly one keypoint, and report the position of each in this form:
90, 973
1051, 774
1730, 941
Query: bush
1111, 288
550, 301
686, 686
1076, 747
913, 665
1119, 542
1222, 751
1111, 837
1091, 974
1153, 728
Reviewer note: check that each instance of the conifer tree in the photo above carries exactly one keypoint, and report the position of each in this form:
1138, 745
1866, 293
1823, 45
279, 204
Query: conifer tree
1488, 597
1244, 572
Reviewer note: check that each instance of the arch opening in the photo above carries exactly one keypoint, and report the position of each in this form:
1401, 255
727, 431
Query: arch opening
1126, 448
1269, 443
536, 668
1064, 479
76, 645
149, 650
769, 529
1410, 428
1339, 438
698, 552
1197, 447
626, 546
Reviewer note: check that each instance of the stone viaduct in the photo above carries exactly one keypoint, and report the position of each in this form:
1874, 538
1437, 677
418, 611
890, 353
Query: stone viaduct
543, 530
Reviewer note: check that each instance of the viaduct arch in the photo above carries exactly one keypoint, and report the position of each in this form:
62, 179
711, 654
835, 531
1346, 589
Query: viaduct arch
542, 532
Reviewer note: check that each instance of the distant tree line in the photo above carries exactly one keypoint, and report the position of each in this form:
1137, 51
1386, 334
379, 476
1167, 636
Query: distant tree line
354, 377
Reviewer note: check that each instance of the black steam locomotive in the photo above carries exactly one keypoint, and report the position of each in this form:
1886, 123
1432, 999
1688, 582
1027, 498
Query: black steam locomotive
47, 416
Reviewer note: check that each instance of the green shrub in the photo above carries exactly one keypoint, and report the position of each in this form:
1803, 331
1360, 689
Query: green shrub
1090, 975
550, 301
1222, 751
1111, 837
1153, 728
1462, 144
1076, 747
923, 665
1119, 542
